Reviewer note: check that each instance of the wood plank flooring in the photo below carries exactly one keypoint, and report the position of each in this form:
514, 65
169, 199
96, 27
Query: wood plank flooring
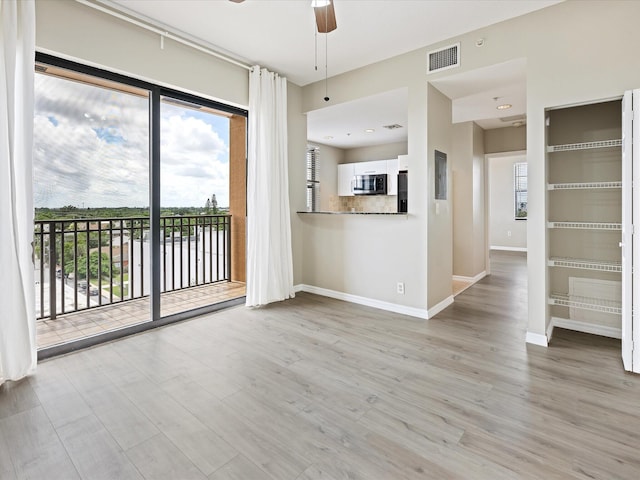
317, 389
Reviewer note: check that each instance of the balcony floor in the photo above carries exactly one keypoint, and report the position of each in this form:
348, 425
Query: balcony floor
85, 323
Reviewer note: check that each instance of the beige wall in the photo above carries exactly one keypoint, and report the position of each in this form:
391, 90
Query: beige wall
297, 149
507, 139
77, 32
559, 45
501, 204
330, 158
386, 151
339, 251
440, 212
468, 200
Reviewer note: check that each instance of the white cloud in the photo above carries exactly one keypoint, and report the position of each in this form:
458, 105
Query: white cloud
92, 149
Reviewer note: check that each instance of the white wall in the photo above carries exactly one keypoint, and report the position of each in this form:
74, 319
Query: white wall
501, 205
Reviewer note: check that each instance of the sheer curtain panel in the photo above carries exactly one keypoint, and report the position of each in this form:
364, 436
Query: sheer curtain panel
17, 321
269, 258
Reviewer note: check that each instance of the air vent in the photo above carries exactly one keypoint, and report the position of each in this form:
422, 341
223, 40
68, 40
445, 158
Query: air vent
513, 118
392, 126
444, 58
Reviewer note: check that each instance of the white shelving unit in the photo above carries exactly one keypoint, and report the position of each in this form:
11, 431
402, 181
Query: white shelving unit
584, 145
584, 186
586, 303
585, 225
584, 218
584, 264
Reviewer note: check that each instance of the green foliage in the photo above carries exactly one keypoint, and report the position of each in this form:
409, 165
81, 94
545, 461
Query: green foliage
74, 213
94, 266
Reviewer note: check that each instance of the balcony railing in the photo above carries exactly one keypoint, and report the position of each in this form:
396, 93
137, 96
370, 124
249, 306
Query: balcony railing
87, 263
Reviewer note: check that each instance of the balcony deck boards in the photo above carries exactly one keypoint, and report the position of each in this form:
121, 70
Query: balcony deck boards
85, 323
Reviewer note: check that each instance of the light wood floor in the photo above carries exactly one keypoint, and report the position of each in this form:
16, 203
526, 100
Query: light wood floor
94, 321
315, 388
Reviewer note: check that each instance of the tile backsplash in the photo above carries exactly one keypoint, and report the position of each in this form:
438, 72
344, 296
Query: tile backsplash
364, 203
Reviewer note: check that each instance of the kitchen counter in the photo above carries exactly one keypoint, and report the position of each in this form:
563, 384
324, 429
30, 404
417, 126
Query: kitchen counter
352, 213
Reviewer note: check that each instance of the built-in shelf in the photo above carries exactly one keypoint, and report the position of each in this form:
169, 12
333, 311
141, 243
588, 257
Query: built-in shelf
586, 303
584, 146
584, 186
583, 264
586, 225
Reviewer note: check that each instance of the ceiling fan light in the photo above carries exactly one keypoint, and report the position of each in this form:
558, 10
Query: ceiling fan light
320, 3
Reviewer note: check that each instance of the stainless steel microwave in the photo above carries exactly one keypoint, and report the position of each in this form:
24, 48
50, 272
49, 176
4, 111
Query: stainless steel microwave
370, 184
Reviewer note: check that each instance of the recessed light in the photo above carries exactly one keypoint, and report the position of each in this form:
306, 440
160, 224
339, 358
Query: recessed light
504, 106
518, 124
369, 130
328, 137
319, 3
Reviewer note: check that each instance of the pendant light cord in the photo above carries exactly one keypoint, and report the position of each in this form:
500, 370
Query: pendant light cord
326, 52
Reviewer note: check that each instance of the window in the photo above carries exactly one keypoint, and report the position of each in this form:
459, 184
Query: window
313, 179
520, 190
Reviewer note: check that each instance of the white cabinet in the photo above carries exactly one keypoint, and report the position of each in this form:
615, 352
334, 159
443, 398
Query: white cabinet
392, 177
345, 179
403, 162
370, 168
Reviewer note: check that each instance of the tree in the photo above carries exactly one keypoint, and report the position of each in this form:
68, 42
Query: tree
207, 205
214, 203
93, 266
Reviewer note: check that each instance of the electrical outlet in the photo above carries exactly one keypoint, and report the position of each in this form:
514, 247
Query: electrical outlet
508, 233
400, 288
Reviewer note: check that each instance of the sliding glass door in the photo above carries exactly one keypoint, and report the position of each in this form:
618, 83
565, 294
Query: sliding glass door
194, 197
91, 198
133, 203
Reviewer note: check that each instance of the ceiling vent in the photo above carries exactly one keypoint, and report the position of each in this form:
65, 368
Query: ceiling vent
444, 58
393, 126
513, 118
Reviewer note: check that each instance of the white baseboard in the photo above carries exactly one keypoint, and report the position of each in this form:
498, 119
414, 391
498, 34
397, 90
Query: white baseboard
436, 309
584, 327
475, 279
550, 330
370, 302
508, 249
537, 339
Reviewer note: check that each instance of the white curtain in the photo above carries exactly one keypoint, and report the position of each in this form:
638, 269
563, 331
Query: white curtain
269, 258
17, 310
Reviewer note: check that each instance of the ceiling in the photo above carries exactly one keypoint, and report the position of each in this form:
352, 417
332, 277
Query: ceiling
280, 35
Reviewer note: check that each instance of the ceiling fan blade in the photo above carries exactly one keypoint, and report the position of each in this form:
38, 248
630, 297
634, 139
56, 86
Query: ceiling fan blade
326, 18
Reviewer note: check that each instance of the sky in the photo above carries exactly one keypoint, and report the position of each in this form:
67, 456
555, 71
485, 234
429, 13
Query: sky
92, 149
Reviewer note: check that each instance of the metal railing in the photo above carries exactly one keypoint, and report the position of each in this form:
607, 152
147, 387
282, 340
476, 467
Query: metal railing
87, 263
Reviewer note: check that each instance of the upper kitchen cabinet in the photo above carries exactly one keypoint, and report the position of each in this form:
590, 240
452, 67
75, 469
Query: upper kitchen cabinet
345, 180
370, 168
392, 177
403, 162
